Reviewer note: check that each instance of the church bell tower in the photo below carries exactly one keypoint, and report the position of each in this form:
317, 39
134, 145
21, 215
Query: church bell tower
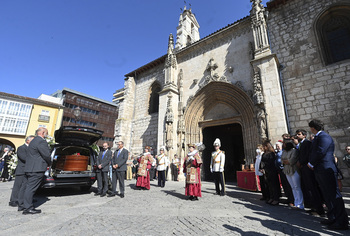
187, 30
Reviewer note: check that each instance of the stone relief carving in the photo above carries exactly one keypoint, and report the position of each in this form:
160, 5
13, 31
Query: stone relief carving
169, 119
212, 76
258, 97
169, 116
190, 98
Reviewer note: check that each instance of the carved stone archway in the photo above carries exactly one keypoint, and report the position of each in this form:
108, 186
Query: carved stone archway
230, 96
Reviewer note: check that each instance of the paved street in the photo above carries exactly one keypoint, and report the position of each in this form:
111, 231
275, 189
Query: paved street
160, 211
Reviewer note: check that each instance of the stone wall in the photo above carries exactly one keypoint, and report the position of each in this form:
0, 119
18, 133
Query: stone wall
313, 90
144, 128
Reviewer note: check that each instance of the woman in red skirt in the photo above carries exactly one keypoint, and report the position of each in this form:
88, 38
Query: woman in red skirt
192, 172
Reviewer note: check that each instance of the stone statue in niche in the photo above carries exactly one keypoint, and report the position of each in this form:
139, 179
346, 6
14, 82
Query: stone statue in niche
169, 135
261, 119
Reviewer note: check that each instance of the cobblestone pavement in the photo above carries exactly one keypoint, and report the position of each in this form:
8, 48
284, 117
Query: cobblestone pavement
159, 211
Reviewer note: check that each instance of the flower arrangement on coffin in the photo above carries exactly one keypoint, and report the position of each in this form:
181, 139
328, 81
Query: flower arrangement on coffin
12, 164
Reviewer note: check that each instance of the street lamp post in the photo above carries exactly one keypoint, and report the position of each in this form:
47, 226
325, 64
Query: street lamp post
77, 113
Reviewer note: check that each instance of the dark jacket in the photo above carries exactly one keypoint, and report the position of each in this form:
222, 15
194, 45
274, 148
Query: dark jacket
268, 160
105, 161
38, 158
321, 156
121, 159
304, 152
22, 153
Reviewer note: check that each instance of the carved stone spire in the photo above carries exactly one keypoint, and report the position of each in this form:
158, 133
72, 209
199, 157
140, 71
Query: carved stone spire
259, 27
171, 59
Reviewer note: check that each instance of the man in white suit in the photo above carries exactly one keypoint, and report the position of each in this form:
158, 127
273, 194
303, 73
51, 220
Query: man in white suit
217, 164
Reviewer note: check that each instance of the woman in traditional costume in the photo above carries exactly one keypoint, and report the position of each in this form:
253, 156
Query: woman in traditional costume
192, 172
145, 163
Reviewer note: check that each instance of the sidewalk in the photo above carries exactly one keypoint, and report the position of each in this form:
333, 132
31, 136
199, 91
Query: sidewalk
159, 211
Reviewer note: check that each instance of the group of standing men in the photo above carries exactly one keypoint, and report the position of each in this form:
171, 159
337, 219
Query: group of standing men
118, 161
33, 160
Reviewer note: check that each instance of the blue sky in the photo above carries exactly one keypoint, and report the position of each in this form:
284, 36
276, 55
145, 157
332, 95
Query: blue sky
89, 45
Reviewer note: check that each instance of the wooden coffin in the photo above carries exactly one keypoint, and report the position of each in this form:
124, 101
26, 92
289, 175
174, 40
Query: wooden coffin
73, 163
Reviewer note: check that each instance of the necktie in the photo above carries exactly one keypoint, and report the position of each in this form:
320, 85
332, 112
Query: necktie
118, 153
103, 154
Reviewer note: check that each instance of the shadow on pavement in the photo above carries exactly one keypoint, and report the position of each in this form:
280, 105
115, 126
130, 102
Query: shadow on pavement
241, 232
58, 192
305, 223
176, 194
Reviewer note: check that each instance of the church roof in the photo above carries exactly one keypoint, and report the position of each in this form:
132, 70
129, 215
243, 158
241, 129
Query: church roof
161, 59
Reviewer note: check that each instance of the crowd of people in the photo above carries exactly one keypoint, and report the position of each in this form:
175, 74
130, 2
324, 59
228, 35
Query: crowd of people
146, 167
307, 171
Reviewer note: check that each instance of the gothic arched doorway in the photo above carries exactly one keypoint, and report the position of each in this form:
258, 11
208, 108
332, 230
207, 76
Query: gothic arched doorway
221, 104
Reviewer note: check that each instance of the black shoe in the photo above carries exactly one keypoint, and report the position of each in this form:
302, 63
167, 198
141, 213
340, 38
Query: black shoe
216, 193
338, 227
31, 211
274, 203
103, 195
13, 204
111, 195
190, 198
194, 199
20, 209
122, 195
327, 222
96, 194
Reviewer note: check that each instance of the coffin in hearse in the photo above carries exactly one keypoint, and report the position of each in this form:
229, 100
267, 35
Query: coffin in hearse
72, 157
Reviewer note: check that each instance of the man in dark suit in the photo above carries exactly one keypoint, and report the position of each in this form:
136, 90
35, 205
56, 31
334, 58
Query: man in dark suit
37, 161
119, 168
103, 160
20, 179
308, 179
322, 162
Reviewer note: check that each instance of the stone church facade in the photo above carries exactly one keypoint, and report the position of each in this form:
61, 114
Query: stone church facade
264, 75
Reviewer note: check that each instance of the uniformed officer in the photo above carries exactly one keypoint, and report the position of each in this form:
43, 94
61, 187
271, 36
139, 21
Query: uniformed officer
217, 167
